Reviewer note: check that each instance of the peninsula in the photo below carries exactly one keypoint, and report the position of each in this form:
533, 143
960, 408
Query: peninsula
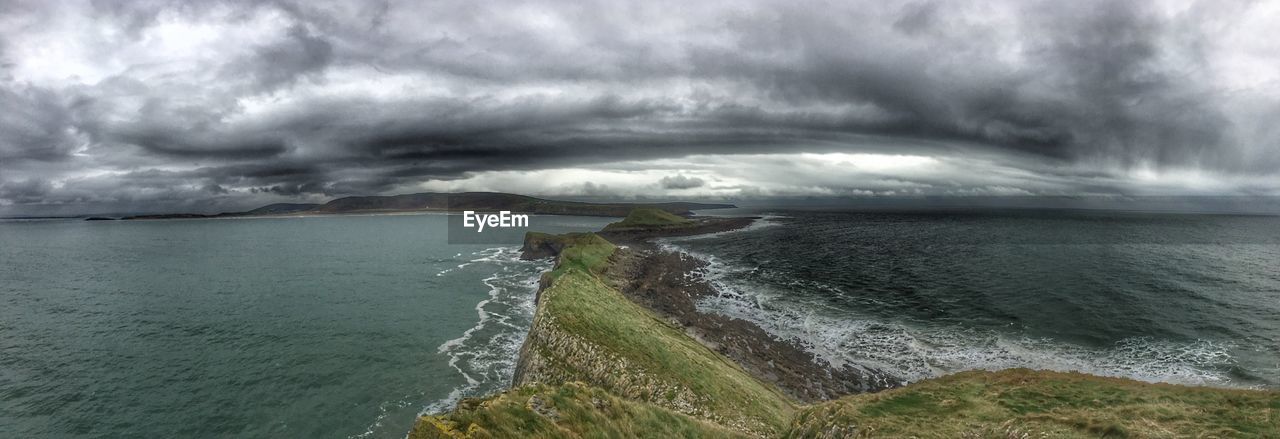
617, 349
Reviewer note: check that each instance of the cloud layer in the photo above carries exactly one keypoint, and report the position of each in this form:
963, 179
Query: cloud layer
156, 105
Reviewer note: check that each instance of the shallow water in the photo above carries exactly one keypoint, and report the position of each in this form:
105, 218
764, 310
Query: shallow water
269, 327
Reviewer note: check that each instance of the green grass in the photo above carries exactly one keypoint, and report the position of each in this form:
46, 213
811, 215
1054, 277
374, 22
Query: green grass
569, 410
584, 251
1014, 402
648, 218
656, 381
590, 332
690, 372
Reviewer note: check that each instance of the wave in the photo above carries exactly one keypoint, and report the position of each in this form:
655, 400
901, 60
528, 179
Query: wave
485, 355
912, 353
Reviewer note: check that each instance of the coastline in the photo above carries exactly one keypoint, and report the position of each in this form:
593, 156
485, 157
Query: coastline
617, 342
667, 283
441, 202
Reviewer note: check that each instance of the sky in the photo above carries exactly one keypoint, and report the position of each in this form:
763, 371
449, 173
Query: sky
151, 106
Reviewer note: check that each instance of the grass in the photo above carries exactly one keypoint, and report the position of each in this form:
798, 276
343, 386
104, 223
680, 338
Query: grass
1026, 403
569, 410
648, 218
587, 252
647, 378
588, 331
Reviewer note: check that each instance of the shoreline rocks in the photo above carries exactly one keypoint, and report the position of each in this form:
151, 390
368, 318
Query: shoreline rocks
666, 283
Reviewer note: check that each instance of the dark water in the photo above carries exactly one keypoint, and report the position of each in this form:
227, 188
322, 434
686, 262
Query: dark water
1158, 297
284, 327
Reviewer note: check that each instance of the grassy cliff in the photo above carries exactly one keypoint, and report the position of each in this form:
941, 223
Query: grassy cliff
569, 410
585, 330
597, 365
648, 218
1023, 403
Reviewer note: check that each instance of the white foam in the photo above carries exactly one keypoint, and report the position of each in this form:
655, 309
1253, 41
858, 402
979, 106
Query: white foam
914, 353
485, 354
511, 288
384, 410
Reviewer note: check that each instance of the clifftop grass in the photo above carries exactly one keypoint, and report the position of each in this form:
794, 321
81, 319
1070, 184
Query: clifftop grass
1022, 403
585, 330
570, 410
648, 218
598, 365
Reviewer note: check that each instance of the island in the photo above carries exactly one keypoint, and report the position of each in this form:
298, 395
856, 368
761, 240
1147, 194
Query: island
616, 349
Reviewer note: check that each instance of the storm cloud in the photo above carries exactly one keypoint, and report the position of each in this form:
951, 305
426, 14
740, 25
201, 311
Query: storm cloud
158, 105
680, 181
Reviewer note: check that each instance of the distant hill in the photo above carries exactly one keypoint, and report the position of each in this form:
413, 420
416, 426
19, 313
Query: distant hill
279, 208
452, 202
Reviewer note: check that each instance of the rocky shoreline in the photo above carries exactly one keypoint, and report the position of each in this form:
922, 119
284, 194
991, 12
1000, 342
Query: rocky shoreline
669, 284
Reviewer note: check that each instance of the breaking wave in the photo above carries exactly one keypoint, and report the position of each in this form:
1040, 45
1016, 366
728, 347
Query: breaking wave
914, 353
486, 354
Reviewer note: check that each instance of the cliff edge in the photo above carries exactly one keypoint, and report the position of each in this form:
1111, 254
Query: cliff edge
598, 364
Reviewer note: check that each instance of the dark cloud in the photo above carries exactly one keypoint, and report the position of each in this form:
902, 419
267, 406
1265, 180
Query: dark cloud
160, 100
35, 125
917, 17
281, 63
25, 191
680, 181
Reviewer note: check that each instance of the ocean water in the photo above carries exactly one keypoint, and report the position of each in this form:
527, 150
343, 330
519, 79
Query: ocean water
351, 326
1192, 299
345, 326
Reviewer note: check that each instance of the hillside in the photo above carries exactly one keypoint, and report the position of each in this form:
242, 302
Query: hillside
492, 201
642, 218
452, 202
643, 223
1027, 403
596, 364
282, 208
570, 410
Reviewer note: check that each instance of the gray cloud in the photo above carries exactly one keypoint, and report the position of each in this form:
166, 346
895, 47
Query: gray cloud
281, 63
680, 181
161, 101
26, 191
35, 125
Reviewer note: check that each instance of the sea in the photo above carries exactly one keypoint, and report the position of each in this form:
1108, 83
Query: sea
1160, 297
351, 326
298, 327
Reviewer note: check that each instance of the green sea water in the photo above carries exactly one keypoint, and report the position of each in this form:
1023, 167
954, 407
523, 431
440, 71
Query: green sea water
343, 326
